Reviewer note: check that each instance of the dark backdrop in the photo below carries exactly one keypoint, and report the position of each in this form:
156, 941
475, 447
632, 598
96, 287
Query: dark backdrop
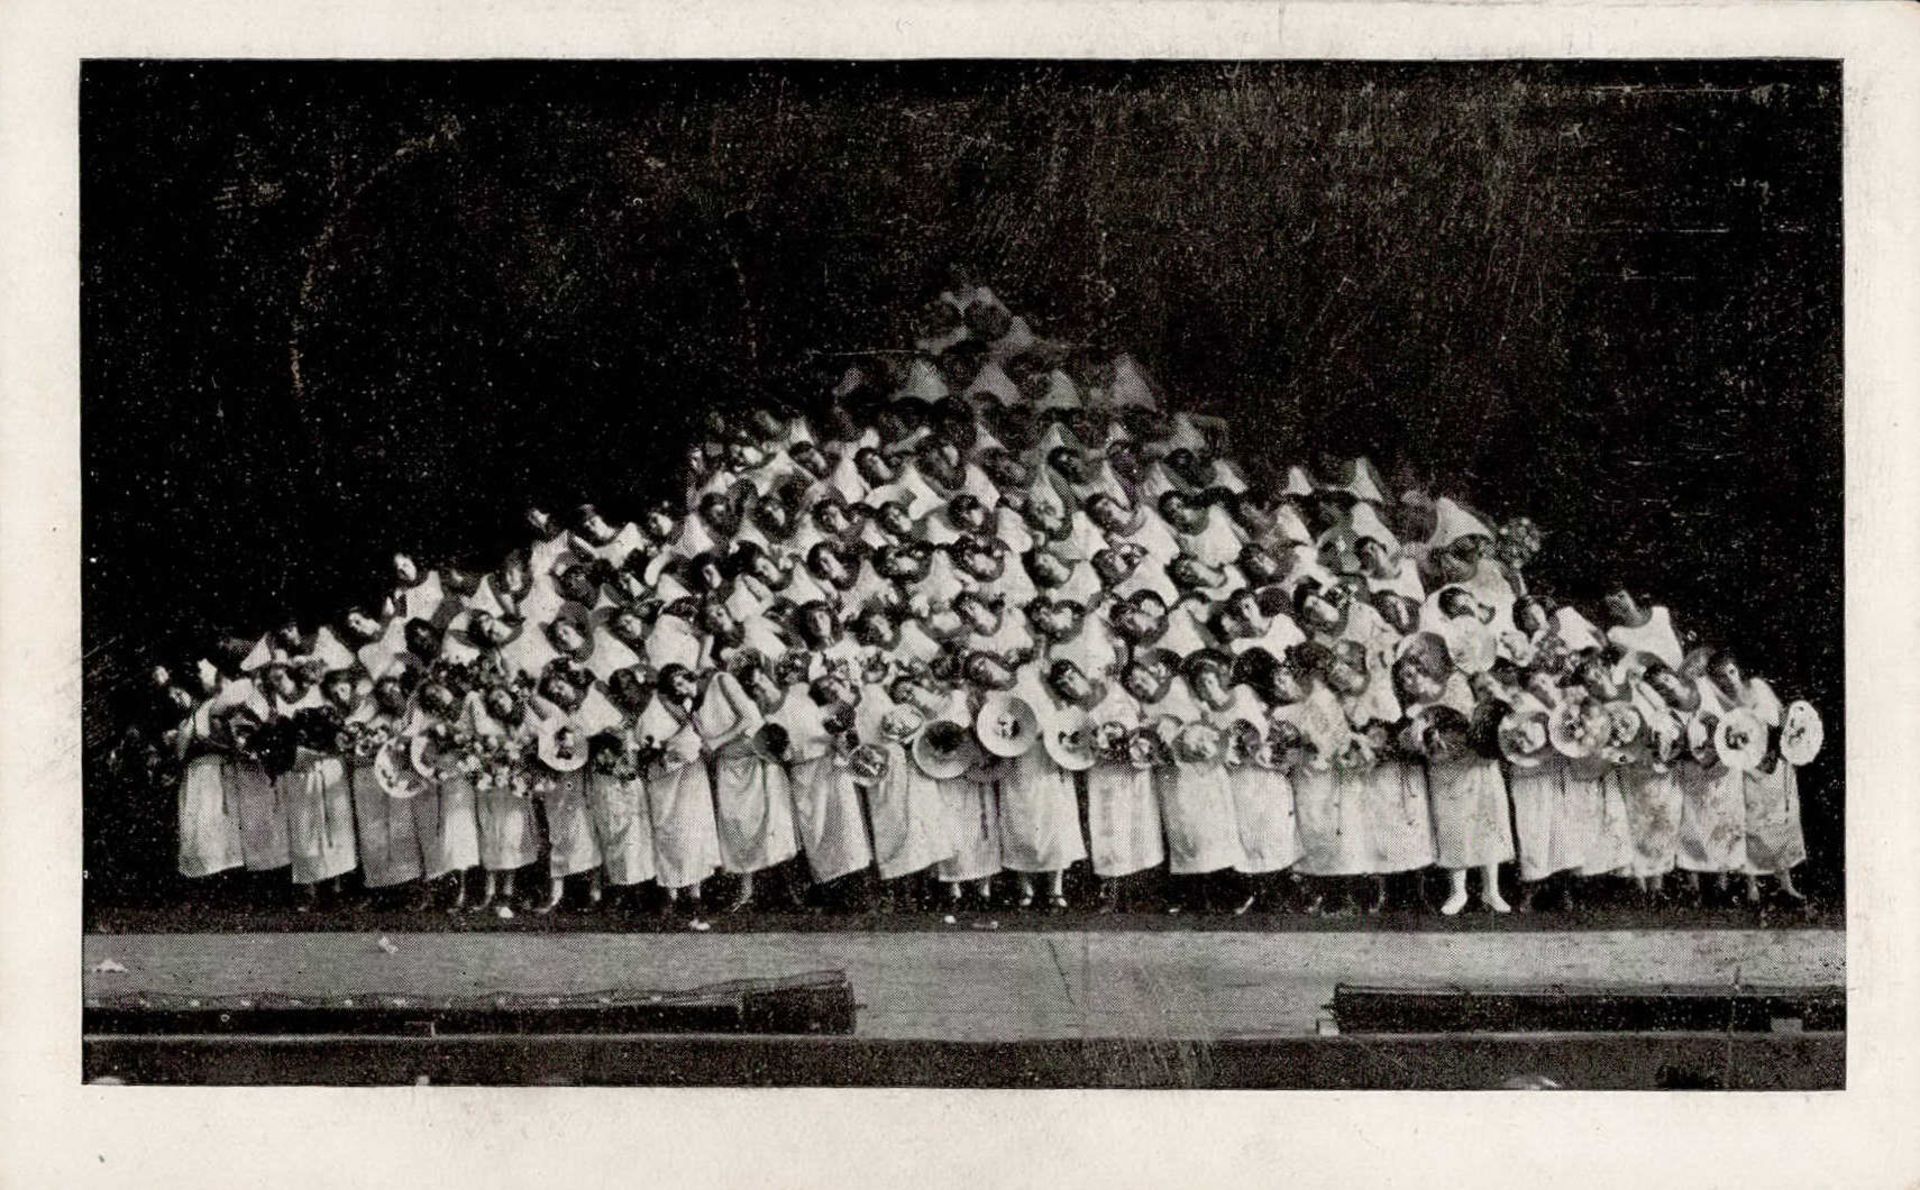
331, 310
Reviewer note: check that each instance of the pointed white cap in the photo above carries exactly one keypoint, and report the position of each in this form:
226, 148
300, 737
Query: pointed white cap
1060, 395
1298, 483
993, 381
1365, 522
1452, 522
923, 381
1575, 630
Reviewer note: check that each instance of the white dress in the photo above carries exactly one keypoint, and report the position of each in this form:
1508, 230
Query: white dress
209, 835
1599, 809
1039, 810
390, 851
263, 816
686, 841
1713, 811
1263, 809
907, 811
972, 813
1471, 826
319, 817
1123, 802
1544, 831
1774, 841
1196, 804
572, 845
625, 827
752, 803
826, 801
507, 834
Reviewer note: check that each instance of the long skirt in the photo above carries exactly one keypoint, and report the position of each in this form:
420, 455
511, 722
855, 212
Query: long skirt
459, 825
1599, 811
1544, 828
320, 820
1123, 820
1264, 815
1653, 818
1470, 814
1713, 818
826, 810
973, 812
625, 828
753, 809
686, 843
1774, 841
1399, 824
572, 846
390, 850
210, 839
509, 836
263, 817
1196, 808
911, 826
1039, 816
1330, 810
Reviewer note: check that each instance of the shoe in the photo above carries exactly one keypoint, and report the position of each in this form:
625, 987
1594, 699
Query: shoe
1057, 902
1245, 905
1493, 901
1454, 904
503, 912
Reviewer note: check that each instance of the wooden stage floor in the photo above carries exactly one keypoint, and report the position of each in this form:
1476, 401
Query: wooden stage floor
976, 985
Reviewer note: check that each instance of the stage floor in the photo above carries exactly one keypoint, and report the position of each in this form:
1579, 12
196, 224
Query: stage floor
975, 984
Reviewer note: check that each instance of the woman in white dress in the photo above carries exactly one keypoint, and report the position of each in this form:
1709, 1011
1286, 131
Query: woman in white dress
752, 802
1651, 783
1774, 842
686, 839
1713, 826
1123, 800
314, 789
1196, 803
972, 800
509, 836
1263, 807
1393, 789
1472, 827
391, 853
826, 798
1039, 812
1594, 794
1547, 840
560, 759
209, 821
617, 788
905, 808
1330, 807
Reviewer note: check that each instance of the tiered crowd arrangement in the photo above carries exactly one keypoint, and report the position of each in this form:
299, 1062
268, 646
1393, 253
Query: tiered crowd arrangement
991, 608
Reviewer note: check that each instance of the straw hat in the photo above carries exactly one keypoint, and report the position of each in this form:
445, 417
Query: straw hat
1801, 733
944, 750
1068, 739
394, 773
1006, 725
1740, 740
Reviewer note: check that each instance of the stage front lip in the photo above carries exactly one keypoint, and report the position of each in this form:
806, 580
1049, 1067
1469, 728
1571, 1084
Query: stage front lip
973, 986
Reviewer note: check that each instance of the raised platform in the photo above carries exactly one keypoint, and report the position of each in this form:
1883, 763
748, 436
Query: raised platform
977, 985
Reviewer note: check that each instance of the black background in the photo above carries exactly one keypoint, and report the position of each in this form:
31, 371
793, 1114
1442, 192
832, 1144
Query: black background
332, 310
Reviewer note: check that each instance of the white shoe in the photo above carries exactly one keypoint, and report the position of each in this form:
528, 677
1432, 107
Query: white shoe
1454, 904
1493, 901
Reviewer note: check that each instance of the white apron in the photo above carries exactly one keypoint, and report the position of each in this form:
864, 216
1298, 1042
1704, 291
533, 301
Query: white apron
1653, 818
389, 848
753, 809
1039, 815
625, 828
572, 845
319, 818
909, 814
210, 840
1713, 818
459, 825
1773, 836
1599, 813
1544, 830
1264, 813
826, 806
1471, 826
1399, 822
263, 816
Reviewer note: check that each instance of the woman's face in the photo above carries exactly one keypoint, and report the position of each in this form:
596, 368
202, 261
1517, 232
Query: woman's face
829, 566
1284, 685
1373, 557
659, 525
501, 705
421, 640
1346, 678
682, 686
873, 467
771, 515
1210, 684
718, 621
1071, 683
894, 519
980, 617
405, 571
1726, 673
817, 623
567, 635
831, 518
363, 625
1529, 617
808, 456
1319, 612
1670, 686
1619, 606
1141, 682
629, 626
1420, 685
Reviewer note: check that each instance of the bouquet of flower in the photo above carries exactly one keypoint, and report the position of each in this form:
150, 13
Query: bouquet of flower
1146, 750
613, 756
1110, 742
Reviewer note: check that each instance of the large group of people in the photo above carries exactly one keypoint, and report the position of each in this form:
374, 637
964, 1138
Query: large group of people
989, 611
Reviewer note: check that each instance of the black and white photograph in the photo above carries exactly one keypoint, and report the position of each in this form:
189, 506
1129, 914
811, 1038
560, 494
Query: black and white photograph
973, 574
